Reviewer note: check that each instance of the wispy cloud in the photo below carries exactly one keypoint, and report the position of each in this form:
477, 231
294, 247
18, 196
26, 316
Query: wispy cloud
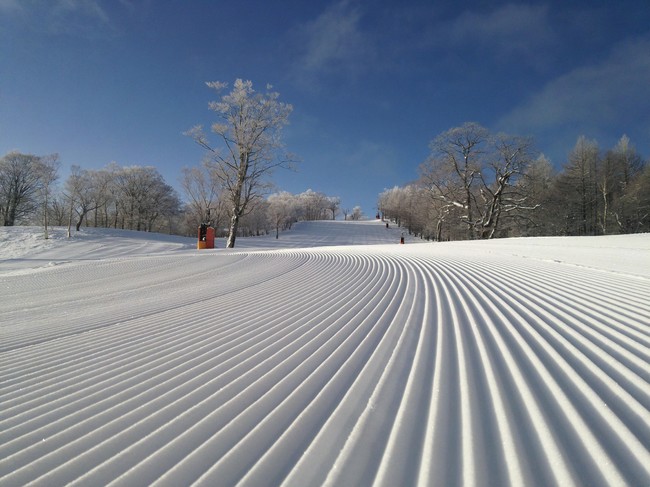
10, 6
89, 9
605, 91
510, 31
593, 99
332, 43
69, 17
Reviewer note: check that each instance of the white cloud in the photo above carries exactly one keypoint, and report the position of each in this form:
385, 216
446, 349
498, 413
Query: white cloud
89, 9
511, 31
333, 42
607, 99
70, 17
10, 6
605, 92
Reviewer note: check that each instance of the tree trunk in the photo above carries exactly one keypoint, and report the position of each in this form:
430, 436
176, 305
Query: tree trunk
45, 217
80, 221
70, 217
232, 234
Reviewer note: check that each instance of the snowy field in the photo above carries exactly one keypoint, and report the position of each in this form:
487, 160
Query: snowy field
332, 356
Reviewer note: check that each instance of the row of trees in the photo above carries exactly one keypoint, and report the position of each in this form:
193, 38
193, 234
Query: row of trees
133, 197
208, 202
25, 185
479, 185
138, 198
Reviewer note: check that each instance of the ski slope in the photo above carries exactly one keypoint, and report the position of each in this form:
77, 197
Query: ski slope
331, 356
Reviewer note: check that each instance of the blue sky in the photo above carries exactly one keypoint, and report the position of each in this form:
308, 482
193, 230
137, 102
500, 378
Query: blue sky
371, 82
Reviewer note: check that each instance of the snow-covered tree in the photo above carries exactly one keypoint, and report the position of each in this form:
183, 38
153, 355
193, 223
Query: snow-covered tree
282, 210
48, 173
474, 173
20, 183
203, 190
249, 128
313, 205
334, 205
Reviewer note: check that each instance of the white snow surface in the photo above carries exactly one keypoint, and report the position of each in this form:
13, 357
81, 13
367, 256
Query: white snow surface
330, 356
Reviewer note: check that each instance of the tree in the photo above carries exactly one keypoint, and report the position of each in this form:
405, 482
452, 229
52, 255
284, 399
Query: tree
313, 205
281, 211
537, 184
357, 214
334, 205
47, 174
203, 189
456, 167
85, 192
20, 183
249, 128
511, 157
144, 197
577, 185
621, 167
474, 174
637, 200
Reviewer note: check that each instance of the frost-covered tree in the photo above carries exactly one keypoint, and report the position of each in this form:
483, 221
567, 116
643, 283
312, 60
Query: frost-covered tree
537, 184
313, 205
619, 171
455, 167
86, 191
577, 188
203, 190
20, 183
144, 197
282, 210
334, 205
500, 197
473, 174
249, 128
48, 173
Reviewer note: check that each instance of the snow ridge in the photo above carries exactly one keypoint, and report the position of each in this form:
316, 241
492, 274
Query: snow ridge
389, 365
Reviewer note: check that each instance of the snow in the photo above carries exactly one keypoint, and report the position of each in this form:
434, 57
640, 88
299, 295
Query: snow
330, 356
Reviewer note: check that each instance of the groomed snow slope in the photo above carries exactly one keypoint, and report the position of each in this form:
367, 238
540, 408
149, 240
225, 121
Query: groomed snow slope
315, 360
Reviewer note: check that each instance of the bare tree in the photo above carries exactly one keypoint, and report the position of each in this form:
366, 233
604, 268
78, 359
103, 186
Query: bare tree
48, 173
203, 189
512, 156
144, 197
621, 167
537, 184
282, 211
334, 205
456, 157
313, 205
357, 214
637, 200
474, 174
84, 192
577, 186
20, 183
249, 128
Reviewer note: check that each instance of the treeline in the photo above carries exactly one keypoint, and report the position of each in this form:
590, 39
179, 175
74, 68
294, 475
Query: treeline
477, 185
132, 197
138, 198
207, 202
